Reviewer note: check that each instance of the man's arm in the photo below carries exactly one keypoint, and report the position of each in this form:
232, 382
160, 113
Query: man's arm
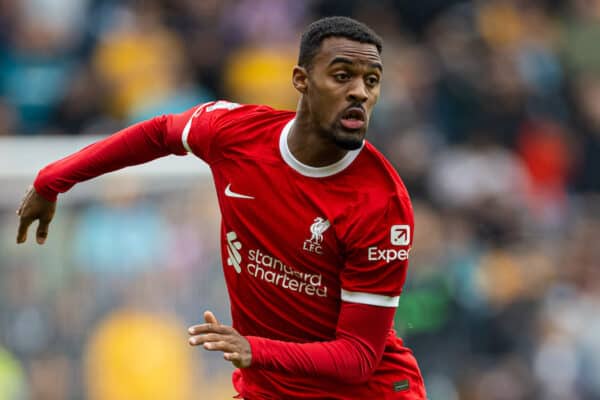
351, 357
134, 145
137, 144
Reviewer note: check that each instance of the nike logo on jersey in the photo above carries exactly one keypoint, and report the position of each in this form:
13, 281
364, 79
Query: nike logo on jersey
230, 193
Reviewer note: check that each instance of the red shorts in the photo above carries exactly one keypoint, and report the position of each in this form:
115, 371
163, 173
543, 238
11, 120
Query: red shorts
404, 387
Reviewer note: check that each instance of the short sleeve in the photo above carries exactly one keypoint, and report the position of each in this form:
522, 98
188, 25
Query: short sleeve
378, 246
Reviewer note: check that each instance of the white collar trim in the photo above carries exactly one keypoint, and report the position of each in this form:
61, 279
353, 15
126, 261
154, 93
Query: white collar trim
307, 170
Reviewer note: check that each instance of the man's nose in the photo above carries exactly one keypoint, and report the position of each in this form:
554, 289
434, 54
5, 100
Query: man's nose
358, 91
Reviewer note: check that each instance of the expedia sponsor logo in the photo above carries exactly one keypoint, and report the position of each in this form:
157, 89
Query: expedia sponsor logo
400, 235
387, 255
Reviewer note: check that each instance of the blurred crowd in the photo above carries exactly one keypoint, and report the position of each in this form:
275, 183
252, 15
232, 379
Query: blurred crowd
490, 111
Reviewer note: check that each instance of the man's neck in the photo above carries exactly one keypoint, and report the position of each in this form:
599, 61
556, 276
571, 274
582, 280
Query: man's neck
309, 146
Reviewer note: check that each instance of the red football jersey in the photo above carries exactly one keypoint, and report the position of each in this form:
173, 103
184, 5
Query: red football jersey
298, 240
314, 258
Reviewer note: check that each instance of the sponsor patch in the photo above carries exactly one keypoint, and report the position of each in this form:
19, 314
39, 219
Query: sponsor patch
400, 235
401, 385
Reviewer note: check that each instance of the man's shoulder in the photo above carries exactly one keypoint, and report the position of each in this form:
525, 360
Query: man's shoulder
229, 114
378, 191
380, 176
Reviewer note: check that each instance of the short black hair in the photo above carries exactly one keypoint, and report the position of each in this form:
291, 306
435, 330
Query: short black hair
323, 28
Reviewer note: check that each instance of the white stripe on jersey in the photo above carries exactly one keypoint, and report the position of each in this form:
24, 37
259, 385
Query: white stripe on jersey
186, 130
370, 298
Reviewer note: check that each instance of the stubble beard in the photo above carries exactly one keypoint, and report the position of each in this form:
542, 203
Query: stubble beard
346, 140
348, 144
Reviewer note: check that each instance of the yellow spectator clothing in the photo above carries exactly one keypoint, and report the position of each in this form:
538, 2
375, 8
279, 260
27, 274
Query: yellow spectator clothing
135, 355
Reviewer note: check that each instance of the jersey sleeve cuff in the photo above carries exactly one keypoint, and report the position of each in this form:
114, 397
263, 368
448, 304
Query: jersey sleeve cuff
257, 349
44, 191
370, 298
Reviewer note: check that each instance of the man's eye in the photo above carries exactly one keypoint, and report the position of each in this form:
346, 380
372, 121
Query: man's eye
342, 77
372, 80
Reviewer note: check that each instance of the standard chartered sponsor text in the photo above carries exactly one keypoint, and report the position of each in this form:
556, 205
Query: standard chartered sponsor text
273, 270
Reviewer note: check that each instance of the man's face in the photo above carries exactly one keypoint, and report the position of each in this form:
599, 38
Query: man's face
343, 86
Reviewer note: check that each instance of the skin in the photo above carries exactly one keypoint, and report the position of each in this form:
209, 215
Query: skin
214, 336
343, 74
34, 207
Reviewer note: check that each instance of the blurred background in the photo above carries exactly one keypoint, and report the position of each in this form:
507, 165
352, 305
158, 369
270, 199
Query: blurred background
490, 112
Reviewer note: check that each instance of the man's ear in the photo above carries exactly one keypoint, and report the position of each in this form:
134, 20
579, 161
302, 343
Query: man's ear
300, 79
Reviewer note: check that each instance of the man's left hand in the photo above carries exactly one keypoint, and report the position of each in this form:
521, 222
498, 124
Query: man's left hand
214, 336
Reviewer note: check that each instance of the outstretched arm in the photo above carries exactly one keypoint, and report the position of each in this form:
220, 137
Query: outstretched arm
134, 145
351, 357
191, 131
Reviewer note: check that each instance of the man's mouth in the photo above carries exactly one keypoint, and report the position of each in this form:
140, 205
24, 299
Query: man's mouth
353, 118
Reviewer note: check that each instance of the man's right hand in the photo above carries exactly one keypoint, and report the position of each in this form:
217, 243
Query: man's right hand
33, 206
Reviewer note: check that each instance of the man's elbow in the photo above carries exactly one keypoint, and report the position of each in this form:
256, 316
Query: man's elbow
360, 374
359, 362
